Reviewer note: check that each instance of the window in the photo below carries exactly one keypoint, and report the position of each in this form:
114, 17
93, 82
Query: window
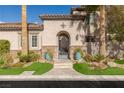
34, 41
91, 39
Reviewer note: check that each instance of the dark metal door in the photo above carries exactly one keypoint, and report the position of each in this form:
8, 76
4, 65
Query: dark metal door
63, 47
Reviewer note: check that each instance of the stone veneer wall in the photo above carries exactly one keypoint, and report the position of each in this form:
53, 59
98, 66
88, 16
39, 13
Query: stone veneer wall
72, 51
52, 49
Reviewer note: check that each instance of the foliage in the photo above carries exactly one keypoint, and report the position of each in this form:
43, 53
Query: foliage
98, 58
93, 58
24, 58
115, 23
90, 8
6, 60
88, 58
1, 61
31, 56
19, 53
4, 47
84, 69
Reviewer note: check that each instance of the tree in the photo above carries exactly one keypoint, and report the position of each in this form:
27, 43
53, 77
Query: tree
115, 23
102, 41
115, 29
92, 9
25, 37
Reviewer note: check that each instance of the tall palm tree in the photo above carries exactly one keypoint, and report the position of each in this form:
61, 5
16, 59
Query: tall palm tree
102, 45
91, 9
25, 46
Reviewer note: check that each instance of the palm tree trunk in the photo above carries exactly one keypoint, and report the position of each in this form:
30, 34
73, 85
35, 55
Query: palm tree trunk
25, 47
102, 46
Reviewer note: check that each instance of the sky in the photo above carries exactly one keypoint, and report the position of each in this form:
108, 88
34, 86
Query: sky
12, 13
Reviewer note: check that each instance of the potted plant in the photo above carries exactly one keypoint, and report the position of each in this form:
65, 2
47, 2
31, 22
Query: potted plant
78, 54
48, 56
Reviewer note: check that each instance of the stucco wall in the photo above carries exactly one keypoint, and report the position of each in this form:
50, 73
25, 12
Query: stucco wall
53, 27
12, 37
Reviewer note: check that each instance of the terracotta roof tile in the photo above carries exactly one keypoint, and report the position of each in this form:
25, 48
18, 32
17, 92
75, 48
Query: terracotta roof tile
18, 27
68, 17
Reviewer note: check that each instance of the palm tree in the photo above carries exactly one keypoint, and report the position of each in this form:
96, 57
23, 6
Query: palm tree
102, 42
91, 9
25, 47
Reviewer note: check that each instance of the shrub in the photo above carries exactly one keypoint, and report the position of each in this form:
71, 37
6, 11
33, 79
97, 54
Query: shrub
1, 61
88, 58
98, 58
31, 56
6, 60
4, 47
24, 58
19, 53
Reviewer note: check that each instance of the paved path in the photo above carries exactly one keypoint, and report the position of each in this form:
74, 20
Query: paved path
27, 73
62, 70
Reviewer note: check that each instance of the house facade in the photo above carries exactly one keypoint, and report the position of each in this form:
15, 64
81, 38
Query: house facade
60, 34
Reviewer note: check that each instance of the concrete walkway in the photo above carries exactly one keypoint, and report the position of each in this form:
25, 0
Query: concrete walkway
62, 71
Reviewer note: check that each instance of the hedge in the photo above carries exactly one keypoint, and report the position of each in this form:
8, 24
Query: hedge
4, 47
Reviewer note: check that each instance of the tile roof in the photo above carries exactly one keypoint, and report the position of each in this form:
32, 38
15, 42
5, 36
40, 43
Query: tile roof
18, 27
77, 9
62, 16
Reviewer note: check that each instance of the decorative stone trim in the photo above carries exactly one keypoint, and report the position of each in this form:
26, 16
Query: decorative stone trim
18, 27
61, 16
72, 51
52, 49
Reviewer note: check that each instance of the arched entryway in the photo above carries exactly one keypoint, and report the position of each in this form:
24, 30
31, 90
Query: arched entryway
63, 45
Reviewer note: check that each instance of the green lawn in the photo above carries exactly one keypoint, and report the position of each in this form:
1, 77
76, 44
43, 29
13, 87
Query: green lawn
11, 71
38, 67
84, 69
119, 61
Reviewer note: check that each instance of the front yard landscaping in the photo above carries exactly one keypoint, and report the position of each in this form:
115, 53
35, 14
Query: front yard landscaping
38, 67
99, 65
84, 68
26, 62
